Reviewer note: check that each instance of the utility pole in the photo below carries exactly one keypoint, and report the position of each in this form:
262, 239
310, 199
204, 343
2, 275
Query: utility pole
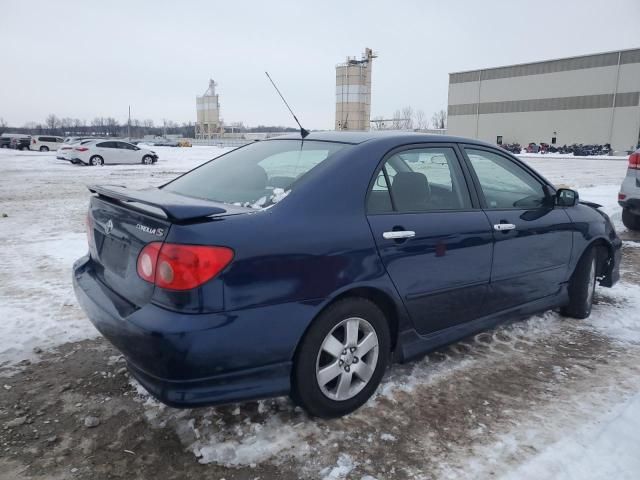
129, 124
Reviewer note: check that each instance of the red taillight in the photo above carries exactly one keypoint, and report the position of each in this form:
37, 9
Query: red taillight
634, 161
81, 149
621, 196
181, 267
33, 141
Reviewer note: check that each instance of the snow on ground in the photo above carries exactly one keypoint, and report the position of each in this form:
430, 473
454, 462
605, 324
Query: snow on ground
543, 398
45, 201
592, 452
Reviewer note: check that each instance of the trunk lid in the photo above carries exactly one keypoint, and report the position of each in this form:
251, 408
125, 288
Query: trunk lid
121, 222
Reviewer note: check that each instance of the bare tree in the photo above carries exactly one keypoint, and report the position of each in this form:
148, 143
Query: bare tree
98, 125
3, 124
407, 118
66, 124
377, 123
52, 122
439, 119
396, 122
112, 126
421, 121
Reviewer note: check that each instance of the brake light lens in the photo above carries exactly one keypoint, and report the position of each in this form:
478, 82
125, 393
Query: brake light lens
181, 267
33, 141
621, 196
81, 149
634, 161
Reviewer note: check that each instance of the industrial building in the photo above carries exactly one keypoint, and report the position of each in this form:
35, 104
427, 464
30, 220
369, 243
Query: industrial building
208, 123
353, 92
591, 99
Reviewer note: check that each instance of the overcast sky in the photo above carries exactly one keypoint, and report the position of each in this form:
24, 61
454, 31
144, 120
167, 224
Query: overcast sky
83, 59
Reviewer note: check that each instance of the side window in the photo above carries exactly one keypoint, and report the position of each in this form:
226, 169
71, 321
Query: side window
105, 145
504, 183
419, 180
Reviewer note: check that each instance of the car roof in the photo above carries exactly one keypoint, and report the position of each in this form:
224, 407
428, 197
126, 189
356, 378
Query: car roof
361, 137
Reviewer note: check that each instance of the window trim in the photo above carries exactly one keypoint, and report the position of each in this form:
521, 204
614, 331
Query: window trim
468, 180
476, 181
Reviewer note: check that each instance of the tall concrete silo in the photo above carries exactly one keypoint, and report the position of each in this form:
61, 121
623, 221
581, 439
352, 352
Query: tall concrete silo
208, 111
353, 92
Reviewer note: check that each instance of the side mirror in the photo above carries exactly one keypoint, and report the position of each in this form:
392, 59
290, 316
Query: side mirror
565, 197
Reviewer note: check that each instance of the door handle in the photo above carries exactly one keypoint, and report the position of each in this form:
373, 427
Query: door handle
398, 234
502, 227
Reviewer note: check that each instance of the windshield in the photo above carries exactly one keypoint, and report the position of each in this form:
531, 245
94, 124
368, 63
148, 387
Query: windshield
257, 175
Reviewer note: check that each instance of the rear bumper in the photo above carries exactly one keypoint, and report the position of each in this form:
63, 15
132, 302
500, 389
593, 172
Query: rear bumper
632, 204
188, 360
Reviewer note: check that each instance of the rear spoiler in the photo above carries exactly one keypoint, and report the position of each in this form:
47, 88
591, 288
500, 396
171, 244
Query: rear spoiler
176, 208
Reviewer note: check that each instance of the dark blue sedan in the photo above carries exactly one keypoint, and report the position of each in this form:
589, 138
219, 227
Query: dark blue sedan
305, 267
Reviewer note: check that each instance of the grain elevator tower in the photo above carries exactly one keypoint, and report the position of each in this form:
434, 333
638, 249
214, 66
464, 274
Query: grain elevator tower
208, 113
353, 92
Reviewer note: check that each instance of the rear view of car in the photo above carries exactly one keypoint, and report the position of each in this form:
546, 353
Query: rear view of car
629, 196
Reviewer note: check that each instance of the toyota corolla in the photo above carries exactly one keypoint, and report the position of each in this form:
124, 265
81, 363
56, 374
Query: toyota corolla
306, 266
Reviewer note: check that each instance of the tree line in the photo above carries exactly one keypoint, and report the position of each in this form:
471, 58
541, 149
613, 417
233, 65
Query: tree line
100, 126
409, 119
110, 127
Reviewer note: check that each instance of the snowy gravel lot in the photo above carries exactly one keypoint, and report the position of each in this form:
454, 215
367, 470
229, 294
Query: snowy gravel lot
542, 398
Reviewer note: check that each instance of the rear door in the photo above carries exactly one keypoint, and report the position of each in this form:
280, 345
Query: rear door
433, 240
108, 151
533, 240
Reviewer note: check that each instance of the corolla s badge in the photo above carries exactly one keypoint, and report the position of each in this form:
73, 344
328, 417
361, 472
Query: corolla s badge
150, 230
108, 227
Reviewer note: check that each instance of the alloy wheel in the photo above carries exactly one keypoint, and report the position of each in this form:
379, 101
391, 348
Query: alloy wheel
347, 359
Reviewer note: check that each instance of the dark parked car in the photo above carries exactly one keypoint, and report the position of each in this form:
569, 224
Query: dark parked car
306, 267
21, 142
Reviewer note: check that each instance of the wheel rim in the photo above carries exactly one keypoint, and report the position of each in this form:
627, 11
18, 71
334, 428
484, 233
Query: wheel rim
95, 161
146, 160
592, 282
347, 359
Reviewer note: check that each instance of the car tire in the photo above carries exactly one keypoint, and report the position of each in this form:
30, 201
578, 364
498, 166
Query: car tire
96, 160
336, 391
582, 286
630, 220
147, 160
44, 149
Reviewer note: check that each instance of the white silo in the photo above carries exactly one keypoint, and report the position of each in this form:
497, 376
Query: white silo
353, 92
208, 113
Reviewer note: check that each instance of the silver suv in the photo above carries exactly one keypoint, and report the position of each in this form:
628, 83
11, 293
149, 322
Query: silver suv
629, 196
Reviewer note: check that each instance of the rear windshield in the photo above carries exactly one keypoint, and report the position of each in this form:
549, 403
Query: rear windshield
257, 175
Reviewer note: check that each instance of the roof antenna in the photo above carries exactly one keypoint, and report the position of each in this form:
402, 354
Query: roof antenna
303, 131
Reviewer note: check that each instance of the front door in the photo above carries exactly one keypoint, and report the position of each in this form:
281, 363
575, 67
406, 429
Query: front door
435, 246
533, 240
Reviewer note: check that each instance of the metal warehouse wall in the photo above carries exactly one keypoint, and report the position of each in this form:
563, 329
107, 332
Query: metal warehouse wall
573, 97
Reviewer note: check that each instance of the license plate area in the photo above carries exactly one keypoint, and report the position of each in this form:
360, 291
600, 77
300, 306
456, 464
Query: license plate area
114, 255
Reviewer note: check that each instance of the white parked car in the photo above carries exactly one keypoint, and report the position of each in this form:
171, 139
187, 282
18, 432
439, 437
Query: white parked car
103, 152
629, 196
65, 152
44, 143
